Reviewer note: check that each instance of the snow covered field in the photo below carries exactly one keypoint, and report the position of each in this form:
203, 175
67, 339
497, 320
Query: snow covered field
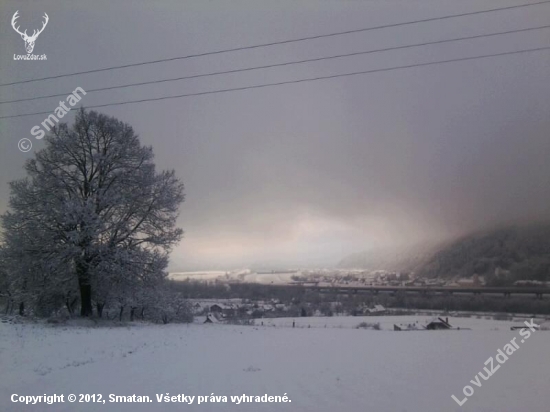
320, 369
387, 322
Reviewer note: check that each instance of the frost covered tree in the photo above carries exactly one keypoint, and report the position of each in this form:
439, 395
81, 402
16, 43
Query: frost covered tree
93, 218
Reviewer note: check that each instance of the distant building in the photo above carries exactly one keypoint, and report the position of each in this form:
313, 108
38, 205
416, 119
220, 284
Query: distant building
530, 283
377, 309
215, 308
211, 318
467, 282
222, 310
439, 324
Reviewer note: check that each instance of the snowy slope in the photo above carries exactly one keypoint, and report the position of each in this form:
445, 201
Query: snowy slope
320, 369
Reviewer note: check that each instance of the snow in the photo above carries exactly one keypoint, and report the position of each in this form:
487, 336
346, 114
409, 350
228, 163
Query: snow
387, 322
206, 275
244, 276
320, 369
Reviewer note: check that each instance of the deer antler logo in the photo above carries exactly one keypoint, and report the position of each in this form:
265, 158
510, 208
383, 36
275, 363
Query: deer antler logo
29, 40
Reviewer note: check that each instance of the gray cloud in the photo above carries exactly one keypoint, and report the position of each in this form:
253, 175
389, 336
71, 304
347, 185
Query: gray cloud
304, 174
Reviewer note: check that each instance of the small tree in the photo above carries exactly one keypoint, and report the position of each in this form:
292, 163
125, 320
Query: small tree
169, 306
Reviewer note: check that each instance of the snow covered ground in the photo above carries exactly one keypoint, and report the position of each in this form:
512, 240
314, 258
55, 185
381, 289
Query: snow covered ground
387, 322
320, 369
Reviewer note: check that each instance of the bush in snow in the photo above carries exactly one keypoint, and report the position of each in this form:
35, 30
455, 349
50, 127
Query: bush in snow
170, 307
367, 325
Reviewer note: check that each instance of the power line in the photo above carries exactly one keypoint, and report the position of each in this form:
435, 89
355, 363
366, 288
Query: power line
279, 42
293, 81
281, 64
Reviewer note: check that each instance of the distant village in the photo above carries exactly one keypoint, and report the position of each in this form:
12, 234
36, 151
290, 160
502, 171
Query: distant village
342, 277
241, 296
382, 278
217, 310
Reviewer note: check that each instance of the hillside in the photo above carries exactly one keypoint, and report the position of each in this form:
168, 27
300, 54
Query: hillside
502, 256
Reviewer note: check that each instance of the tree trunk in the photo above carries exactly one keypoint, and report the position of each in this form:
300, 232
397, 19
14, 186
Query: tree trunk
69, 307
132, 312
85, 300
99, 307
73, 304
22, 309
120, 314
142, 312
82, 272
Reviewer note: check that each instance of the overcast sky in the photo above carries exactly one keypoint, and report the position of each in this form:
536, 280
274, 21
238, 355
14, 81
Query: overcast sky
304, 174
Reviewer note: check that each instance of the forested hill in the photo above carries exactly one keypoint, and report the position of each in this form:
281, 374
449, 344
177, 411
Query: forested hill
501, 256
